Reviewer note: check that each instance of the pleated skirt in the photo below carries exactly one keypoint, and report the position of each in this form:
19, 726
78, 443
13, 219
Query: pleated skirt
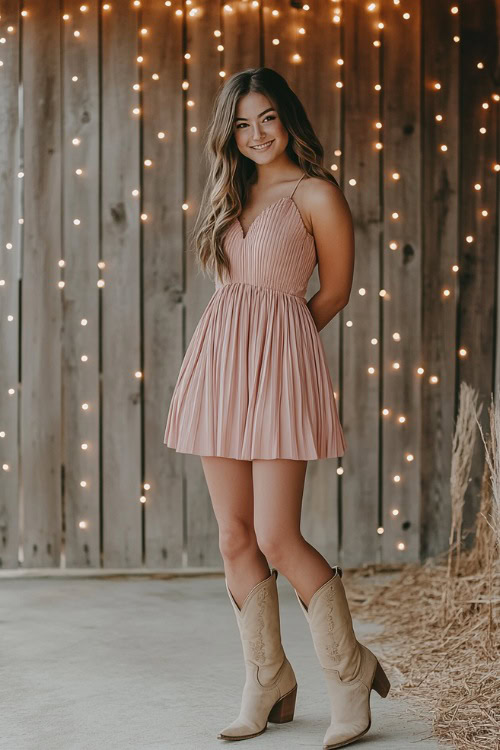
254, 382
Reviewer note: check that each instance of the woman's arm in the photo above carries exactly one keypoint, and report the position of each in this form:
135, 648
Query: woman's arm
333, 230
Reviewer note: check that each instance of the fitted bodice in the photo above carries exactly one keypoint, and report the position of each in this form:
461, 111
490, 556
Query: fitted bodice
277, 252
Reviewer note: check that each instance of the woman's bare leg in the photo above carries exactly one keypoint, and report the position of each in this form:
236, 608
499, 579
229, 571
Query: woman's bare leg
278, 486
230, 485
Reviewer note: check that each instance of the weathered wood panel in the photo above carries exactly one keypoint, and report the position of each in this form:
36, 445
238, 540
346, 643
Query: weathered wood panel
401, 334
163, 194
360, 390
478, 152
120, 298
10, 274
202, 538
439, 235
80, 368
40, 439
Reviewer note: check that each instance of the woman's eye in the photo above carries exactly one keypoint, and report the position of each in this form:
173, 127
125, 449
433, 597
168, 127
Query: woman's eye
272, 117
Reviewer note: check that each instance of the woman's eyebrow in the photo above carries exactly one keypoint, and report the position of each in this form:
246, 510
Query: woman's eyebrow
269, 109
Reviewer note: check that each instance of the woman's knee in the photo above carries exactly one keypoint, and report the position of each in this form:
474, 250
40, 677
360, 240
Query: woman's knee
236, 538
276, 546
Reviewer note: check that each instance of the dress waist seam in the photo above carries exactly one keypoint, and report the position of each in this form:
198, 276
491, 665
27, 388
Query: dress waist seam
261, 286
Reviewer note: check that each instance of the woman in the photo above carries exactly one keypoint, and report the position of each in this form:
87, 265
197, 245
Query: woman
254, 397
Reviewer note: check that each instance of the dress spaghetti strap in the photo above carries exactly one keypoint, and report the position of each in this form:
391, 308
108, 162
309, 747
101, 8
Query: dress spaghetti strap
297, 184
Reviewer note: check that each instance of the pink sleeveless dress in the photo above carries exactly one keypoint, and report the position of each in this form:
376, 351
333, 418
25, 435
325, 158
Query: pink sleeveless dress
254, 382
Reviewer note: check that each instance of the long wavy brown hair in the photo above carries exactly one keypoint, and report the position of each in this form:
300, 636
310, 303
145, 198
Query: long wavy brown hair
230, 173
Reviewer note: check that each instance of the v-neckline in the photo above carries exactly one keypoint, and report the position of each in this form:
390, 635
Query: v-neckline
275, 203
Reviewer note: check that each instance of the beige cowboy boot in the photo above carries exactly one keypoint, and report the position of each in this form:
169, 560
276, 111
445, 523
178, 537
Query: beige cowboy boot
350, 669
270, 687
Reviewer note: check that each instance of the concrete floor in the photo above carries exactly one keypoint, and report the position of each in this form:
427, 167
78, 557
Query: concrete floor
105, 664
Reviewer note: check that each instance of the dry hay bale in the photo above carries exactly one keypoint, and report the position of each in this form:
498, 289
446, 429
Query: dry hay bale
451, 666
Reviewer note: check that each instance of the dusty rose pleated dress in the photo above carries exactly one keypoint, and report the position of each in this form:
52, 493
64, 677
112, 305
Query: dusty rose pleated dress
254, 382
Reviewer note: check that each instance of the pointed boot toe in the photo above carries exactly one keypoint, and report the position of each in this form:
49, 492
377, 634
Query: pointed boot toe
340, 735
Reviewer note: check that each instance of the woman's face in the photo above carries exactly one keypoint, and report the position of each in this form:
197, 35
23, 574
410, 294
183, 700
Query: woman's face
256, 122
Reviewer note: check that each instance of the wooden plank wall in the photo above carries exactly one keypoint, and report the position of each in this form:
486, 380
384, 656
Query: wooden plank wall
109, 295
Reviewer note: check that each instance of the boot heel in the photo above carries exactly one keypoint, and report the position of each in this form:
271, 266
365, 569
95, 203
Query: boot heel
380, 682
284, 709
